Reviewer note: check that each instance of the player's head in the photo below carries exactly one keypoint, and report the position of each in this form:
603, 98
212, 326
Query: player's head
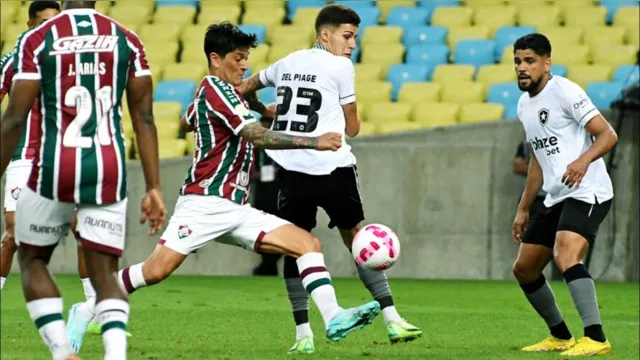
227, 50
79, 4
337, 29
532, 61
41, 11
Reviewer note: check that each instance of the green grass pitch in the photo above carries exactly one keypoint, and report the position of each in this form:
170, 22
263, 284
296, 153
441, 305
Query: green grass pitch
249, 318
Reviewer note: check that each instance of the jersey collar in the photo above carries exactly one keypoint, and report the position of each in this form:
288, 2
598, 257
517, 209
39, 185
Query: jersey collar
86, 11
321, 47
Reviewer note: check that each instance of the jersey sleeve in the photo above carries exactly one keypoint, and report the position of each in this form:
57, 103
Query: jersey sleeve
346, 83
227, 107
577, 105
137, 57
269, 75
190, 115
6, 75
26, 65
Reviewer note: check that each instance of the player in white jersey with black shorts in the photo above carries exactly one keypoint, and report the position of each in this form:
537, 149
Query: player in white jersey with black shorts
316, 94
568, 137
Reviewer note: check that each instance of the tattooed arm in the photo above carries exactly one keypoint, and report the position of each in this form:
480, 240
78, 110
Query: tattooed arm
250, 85
264, 138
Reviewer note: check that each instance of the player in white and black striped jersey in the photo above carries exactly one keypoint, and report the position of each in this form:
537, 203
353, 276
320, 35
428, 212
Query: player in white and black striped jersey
316, 94
568, 137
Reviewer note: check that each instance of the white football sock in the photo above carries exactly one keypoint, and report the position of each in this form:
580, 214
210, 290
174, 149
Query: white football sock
46, 313
2, 280
132, 278
113, 315
317, 282
89, 291
303, 331
390, 314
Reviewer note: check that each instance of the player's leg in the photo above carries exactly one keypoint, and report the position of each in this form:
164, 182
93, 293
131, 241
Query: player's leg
8, 246
101, 229
534, 254
297, 204
37, 237
577, 228
177, 241
270, 234
343, 204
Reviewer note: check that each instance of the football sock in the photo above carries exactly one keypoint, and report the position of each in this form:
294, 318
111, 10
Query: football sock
46, 313
2, 280
298, 297
112, 316
541, 297
317, 281
378, 285
132, 278
583, 293
89, 292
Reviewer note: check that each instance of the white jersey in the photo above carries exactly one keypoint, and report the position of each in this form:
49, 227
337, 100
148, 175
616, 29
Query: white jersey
312, 85
554, 122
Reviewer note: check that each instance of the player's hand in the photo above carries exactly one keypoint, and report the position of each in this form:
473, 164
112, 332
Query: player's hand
329, 141
575, 172
519, 224
153, 210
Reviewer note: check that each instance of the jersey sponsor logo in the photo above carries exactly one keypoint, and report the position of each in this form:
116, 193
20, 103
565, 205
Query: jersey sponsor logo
550, 145
114, 228
15, 192
242, 181
60, 230
543, 116
581, 104
84, 44
184, 231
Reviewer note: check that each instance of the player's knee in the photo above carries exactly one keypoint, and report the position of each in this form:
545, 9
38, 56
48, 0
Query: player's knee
524, 272
9, 241
311, 244
569, 249
154, 273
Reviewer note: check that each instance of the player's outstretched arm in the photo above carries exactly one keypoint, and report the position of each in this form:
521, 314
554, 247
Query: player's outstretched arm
264, 138
140, 100
251, 85
15, 117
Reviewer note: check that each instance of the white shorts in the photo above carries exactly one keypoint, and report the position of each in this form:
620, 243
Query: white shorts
199, 219
41, 222
17, 175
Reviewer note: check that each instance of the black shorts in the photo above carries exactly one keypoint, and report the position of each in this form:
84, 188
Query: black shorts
569, 215
338, 194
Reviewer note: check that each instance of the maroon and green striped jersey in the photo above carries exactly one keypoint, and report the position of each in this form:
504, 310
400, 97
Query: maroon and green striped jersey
83, 60
222, 160
30, 138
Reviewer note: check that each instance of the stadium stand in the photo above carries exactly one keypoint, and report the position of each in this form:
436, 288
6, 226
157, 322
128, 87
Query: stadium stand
419, 64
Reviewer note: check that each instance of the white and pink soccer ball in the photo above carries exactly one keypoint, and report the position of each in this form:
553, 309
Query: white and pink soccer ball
376, 247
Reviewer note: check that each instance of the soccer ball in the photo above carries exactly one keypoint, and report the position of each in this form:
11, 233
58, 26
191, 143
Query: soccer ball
375, 247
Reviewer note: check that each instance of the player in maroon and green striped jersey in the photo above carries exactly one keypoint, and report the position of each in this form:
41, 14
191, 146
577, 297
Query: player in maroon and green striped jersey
20, 166
79, 63
212, 203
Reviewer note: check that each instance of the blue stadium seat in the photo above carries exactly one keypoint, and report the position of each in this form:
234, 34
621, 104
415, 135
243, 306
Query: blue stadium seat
267, 95
422, 35
507, 35
560, 70
355, 4
355, 55
401, 73
407, 16
602, 94
161, 3
293, 5
430, 55
181, 91
627, 74
506, 94
431, 5
259, 30
475, 52
511, 112
613, 5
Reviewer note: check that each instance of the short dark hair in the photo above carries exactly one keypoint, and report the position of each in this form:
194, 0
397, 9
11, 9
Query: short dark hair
536, 42
37, 6
225, 37
336, 15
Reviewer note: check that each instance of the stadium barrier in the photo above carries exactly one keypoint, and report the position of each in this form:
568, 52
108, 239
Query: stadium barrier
449, 193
